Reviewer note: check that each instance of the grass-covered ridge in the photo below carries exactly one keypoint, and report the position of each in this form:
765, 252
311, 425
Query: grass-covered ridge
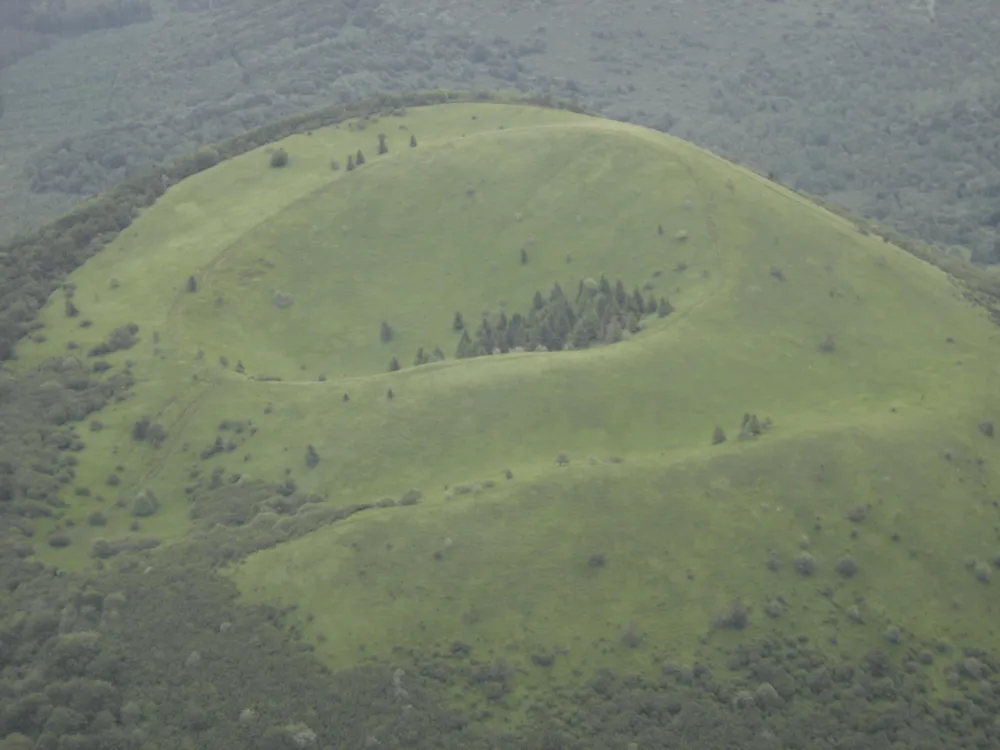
573, 503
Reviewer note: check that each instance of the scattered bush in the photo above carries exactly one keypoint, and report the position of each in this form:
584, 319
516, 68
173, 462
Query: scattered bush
805, 564
412, 497
282, 300
60, 539
144, 504
630, 635
279, 158
385, 334
149, 432
383, 147
312, 457
192, 284
846, 567
736, 616
413, 141
121, 338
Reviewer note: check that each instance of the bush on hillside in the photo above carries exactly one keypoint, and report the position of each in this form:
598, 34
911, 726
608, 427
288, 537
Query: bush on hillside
279, 158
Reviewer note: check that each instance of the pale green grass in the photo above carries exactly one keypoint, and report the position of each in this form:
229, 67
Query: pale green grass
419, 233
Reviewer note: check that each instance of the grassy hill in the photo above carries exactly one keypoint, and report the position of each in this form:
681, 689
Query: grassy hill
574, 505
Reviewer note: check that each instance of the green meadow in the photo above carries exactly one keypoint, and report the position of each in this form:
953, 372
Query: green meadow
878, 377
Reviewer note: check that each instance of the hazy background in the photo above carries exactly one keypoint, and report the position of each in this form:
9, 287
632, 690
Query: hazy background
888, 107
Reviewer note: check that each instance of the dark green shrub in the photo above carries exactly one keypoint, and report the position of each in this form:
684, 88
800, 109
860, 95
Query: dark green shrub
59, 539
279, 158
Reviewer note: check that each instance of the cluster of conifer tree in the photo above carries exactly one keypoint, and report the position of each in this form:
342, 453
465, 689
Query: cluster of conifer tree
599, 314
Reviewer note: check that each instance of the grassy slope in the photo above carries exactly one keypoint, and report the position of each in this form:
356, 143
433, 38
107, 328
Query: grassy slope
419, 233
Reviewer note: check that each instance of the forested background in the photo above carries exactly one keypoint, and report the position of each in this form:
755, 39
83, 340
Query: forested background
887, 107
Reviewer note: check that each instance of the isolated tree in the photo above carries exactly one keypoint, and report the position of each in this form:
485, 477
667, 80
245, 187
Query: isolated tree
458, 324
192, 284
413, 141
383, 147
71, 310
359, 158
421, 358
465, 348
524, 256
385, 333
350, 163
393, 364
664, 308
312, 457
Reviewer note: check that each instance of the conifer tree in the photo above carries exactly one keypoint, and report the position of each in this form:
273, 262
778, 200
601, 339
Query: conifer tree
458, 324
413, 141
464, 345
637, 305
621, 296
664, 308
383, 147
359, 158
